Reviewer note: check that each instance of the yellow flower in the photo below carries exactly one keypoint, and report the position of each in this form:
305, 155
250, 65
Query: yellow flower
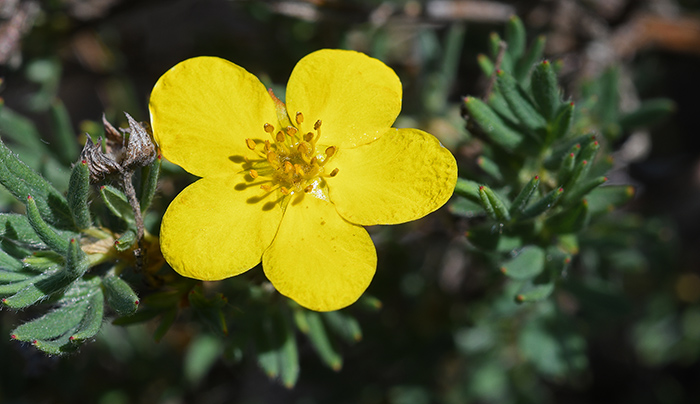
292, 190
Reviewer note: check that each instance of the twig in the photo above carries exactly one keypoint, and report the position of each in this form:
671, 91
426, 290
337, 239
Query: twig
502, 45
130, 192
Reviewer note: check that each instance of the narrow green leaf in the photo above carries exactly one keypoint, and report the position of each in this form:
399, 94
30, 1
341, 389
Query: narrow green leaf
77, 262
486, 65
493, 204
534, 292
607, 198
519, 102
149, 183
20, 129
288, 353
22, 181
368, 302
119, 295
501, 107
43, 230
38, 289
266, 345
126, 241
570, 220
14, 274
581, 189
343, 325
12, 288
202, 354
649, 113
524, 65
44, 260
9, 263
589, 151
91, 322
59, 346
515, 37
490, 167
545, 90
609, 97
542, 205
78, 192
523, 198
567, 165
67, 147
321, 342
468, 189
116, 202
210, 310
485, 236
464, 207
166, 321
494, 45
562, 122
564, 147
528, 263
492, 125
16, 227
52, 324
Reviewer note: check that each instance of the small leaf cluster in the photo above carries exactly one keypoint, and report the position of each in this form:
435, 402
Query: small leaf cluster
59, 254
540, 177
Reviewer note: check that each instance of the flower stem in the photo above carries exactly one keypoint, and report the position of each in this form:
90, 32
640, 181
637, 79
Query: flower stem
128, 187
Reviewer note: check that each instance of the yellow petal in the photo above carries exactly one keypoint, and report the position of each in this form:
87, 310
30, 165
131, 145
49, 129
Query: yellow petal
203, 109
402, 176
356, 97
218, 227
318, 259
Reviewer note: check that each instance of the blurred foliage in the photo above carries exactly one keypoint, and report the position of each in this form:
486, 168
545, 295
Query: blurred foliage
574, 301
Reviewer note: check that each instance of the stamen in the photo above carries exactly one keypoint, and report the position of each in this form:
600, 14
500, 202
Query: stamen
330, 151
317, 124
269, 128
253, 174
280, 137
308, 137
291, 130
266, 187
288, 167
334, 172
284, 190
299, 170
309, 189
250, 143
299, 118
267, 146
272, 158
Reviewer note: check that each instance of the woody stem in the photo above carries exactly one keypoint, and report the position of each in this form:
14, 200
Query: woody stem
128, 187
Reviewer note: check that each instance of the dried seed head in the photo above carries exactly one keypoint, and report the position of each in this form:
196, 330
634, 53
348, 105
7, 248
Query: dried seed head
140, 150
100, 164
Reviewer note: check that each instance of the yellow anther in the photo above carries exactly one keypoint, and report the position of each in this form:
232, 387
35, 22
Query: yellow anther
272, 158
330, 151
288, 167
250, 143
313, 160
308, 137
299, 169
299, 118
280, 137
309, 189
284, 190
266, 187
269, 128
291, 130
253, 174
267, 146
334, 172
317, 124
303, 148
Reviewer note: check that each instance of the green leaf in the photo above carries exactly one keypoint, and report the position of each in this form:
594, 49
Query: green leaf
524, 65
125, 241
464, 207
490, 167
37, 289
515, 37
519, 103
492, 125
117, 203
567, 165
486, 65
343, 325
528, 263
545, 90
523, 198
22, 182
77, 262
581, 189
202, 354
608, 103
119, 295
468, 189
484, 236
210, 310
321, 342
67, 147
44, 260
78, 192
21, 130
48, 235
607, 198
501, 107
149, 183
542, 205
562, 122
16, 227
288, 354
52, 324
570, 220
166, 321
59, 346
649, 113
531, 292
493, 204
91, 323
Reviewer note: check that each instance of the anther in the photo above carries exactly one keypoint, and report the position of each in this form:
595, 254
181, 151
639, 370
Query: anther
284, 190
272, 158
309, 189
330, 151
317, 124
250, 143
269, 128
267, 146
299, 118
302, 148
308, 137
288, 167
299, 170
266, 187
280, 137
253, 174
291, 130
334, 172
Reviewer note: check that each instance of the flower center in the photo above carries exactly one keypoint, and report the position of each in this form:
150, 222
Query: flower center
292, 161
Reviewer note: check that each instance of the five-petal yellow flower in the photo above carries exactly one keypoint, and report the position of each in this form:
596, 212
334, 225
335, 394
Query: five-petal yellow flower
292, 190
